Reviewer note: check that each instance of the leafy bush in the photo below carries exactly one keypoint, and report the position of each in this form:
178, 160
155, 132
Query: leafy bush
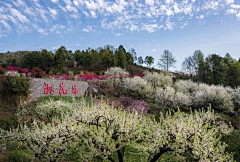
20, 85
19, 156
2, 70
8, 123
233, 142
11, 88
37, 72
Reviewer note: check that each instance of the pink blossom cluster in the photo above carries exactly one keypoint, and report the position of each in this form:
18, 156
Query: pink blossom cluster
91, 77
63, 76
130, 105
51, 73
139, 75
13, 68
24, 70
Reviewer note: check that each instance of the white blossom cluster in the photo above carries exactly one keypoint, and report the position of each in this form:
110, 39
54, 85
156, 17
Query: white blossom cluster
139, 87
101, 130
184, 93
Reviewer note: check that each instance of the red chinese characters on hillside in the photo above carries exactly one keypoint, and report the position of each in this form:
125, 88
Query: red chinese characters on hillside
49, 90
62, 89
75, 90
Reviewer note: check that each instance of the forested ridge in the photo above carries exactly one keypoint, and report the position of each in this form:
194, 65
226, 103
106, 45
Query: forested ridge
210, 69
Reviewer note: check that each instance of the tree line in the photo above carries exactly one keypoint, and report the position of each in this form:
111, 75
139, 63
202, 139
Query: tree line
213, 69
63, 60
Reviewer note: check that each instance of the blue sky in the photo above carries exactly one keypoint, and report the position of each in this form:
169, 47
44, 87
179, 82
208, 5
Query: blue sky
149, 26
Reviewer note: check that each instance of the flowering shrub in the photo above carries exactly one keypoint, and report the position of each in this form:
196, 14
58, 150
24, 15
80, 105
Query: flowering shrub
186, 86
130, 105
139, 75
24, 70
29, 74
139, 87
100, 130
11, 68
169, 98
103, 77
88, 77
235, 94
115, 76
113, 71
158, 79
12, 73
37, 72
51, 74
63, 77
217, 96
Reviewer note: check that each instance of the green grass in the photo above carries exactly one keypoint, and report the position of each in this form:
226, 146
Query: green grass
63, 98
233, 142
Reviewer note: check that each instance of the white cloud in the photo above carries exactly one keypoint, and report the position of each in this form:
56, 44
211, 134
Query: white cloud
88, 29
18, 3
42, 31
185, 24
149, 2
238, 15
6, 24
53, 12
54, 1
118, 34
130, 15
200, 17
169, 1
229, 1
19, 15
231, 11
150, 27
169, 25
211, 5
57, 28
235, 6
29, 11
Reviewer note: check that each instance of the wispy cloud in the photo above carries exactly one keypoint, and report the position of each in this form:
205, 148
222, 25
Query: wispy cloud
88, 29
130, 15
118, 34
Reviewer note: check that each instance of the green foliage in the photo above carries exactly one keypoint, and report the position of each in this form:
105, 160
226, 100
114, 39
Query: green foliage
149, 60
20, 85
11, 88
120, 56
18, 156
8, 123
42, 59
233, 142
213, 69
